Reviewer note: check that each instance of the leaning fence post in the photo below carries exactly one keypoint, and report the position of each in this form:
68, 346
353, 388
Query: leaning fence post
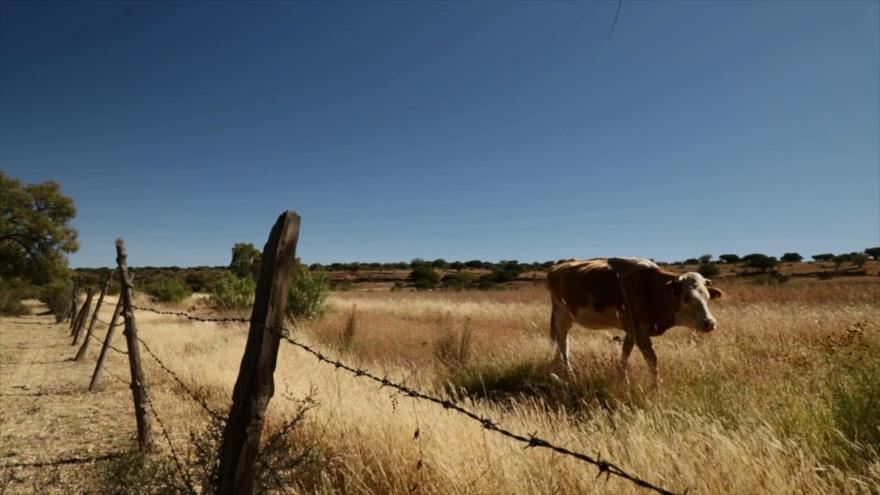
109, 337
88, 337
83, 314
71, 306
138, 385
255, 385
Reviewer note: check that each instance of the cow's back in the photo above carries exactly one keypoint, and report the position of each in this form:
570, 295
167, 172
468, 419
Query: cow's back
590, 290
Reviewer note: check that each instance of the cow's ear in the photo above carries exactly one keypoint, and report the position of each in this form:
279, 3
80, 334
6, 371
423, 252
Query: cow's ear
673, 287
714, 293
707, 281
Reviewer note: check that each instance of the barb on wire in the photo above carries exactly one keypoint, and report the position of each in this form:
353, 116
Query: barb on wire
69, 460
193, 317
531, 440
176, 378
120, 351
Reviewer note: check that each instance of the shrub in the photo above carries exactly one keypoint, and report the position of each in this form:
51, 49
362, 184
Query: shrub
169, 290
11, 294
307, 296
346, 338
458, 280
424, 277
708, 270
453, 351
232, 292
56, 295
761, 262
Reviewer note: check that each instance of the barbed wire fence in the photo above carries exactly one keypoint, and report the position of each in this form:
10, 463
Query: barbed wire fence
532, 440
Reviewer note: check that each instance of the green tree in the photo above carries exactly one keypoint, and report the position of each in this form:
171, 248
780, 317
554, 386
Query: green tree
858, 259
873, 252
708, 270
792, 258
761, 262
705, 259
307, 295
823, 257
246, 260
729, 258
35, 234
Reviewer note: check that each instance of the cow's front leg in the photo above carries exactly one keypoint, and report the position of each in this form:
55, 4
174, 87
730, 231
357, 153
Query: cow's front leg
628, 343
644, 343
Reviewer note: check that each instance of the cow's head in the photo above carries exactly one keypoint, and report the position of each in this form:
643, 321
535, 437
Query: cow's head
693, 292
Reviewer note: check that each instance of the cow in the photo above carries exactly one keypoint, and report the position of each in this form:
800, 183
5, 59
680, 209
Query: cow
632, 294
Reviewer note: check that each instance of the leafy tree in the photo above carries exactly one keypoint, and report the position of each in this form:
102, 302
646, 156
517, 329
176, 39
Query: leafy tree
792, 257
35, 233
858, 259
873, 252
705, 259
231, 292
841, 259
691, 261
761, 262
440, 263
424, 277
307, 296
729, 258
169, 290
823, 257
474, 264
246, 260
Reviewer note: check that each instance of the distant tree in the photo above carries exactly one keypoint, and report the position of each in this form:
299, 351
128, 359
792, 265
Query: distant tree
691, 261
823, 257
858, 259
457, 265
708, 270
705, 258
246, 260
760, 262
792, 258
474, 264
35, 234
417, 262
729, 258
874, 253
440, 263
315, 267
424, 277
841, 259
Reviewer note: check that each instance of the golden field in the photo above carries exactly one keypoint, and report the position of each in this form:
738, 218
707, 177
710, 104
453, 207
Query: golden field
784, 397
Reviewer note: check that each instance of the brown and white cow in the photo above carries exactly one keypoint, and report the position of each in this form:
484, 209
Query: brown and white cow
632, 294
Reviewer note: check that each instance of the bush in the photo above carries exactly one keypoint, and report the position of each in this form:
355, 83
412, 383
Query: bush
729, 258
792, 258
706, 258
233, 292
11, 294
56, 295
424, 277
307, 296
708, 270
169, 290
458, 280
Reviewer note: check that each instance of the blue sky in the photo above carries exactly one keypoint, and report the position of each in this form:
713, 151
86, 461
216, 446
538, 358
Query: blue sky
459, 130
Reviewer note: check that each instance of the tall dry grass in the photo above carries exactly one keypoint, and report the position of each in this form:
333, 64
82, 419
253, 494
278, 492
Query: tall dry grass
782, 398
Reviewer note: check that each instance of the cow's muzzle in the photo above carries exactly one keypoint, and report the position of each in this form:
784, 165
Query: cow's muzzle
708, 325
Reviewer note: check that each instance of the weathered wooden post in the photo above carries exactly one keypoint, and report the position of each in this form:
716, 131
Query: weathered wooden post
71, 307
255, 384
88, 337
83, 314
74, 312
138, 385
107, 339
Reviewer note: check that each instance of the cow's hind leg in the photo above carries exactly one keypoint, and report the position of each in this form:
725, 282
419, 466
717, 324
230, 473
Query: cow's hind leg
644, 343
560, 323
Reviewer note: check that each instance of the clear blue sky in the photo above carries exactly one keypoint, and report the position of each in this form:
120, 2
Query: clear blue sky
458, 130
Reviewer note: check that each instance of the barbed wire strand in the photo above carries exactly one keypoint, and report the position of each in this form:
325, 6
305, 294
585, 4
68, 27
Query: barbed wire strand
108, 324
176, 378
193, 317
183, 474
110, 346
531, 440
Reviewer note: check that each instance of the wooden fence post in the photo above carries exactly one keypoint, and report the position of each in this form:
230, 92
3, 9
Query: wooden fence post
255, 384
138, 385
71, 307
74, 312
83, 314
88, 337
109, 337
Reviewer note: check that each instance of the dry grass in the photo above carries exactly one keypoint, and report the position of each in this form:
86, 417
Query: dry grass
782, 398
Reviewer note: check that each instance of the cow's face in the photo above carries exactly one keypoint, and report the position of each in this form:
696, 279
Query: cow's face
693, 292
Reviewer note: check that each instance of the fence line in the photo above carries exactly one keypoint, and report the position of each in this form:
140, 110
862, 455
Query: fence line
193, 317
183, 474
531, 440
120, 351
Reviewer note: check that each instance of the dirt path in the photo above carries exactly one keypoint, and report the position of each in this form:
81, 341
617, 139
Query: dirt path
46, 411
